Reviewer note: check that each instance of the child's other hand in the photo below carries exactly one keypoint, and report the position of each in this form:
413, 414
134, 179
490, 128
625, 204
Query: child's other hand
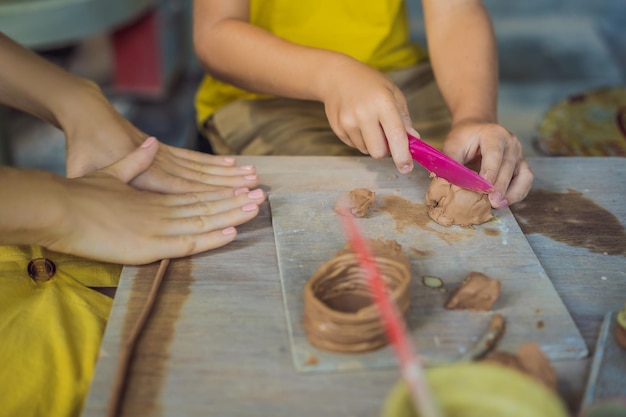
368, 111
502, 162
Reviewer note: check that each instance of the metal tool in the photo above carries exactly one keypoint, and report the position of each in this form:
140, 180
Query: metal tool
447, 168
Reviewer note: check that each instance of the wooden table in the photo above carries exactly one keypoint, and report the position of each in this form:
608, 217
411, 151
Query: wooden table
217, 342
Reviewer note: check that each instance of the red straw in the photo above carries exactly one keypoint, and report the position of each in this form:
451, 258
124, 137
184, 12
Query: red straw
410, 365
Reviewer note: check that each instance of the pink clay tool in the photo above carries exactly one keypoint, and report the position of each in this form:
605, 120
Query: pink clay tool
447, 168
409, 363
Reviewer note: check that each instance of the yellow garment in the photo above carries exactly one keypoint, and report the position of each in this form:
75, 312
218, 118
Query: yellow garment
373, 32
50, 331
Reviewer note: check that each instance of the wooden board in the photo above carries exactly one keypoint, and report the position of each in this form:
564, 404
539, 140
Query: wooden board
308, 233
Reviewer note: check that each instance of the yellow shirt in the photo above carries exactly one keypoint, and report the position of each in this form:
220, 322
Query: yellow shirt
375, 32
50, 331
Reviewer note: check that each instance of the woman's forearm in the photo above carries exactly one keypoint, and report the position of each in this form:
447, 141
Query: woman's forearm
32, 206
30, 83
463, 54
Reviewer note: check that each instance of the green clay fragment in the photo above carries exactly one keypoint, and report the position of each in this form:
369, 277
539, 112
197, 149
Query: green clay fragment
432, 282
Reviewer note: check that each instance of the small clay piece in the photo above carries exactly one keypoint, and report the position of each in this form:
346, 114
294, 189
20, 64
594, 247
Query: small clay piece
529, 360
489, 340
339, 314
477, 292
311, 360
432, 282
620, 328
360, 201
449, 204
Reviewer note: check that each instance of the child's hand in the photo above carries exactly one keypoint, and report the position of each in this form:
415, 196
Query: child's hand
103, 136
103, 218
502, 162
368, 112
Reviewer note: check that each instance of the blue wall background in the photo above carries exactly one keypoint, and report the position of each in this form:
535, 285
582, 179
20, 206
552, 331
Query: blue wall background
548, 50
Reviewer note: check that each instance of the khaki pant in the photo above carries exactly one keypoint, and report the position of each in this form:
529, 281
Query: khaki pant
281, 126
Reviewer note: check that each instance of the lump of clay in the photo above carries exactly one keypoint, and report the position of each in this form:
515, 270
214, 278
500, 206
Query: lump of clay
449, 204
339, 314
620, 328
477, 292
358, 201
529, 360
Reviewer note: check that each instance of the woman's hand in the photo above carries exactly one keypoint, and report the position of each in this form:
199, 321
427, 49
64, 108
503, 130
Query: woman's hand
97, 135
101, 217
500, 155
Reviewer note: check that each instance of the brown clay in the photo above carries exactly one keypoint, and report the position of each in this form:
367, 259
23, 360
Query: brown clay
529, 360
360, 201
477, 292
339, 314
620, 336
449, 204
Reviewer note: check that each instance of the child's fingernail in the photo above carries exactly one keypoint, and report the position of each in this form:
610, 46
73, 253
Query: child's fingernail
406, 169
247, 167
241, 190
250, 177
229, 160
497, 200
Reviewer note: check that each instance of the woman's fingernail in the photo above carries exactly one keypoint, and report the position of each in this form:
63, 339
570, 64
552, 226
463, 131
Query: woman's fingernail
250, 177
247, 167
258, 193
503, 204
229, 231
229, 160
149, 141
241, 190
249, 207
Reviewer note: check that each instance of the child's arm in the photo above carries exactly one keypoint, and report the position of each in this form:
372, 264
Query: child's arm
97, 135
99, 216
463, 54
362, 104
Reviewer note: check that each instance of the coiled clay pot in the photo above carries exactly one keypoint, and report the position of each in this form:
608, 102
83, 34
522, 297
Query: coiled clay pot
339, 314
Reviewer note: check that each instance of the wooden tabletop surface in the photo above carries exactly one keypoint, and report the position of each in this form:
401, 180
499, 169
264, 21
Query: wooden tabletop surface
217, 343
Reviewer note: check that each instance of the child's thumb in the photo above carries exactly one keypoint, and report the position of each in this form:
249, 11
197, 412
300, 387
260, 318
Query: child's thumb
135, 163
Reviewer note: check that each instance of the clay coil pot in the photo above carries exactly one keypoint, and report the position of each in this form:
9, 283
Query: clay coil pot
339, 314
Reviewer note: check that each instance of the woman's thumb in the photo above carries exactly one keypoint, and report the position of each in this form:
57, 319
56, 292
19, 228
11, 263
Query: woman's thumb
135, 163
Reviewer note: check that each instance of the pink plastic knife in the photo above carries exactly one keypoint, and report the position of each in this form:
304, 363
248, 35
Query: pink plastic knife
447, 168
